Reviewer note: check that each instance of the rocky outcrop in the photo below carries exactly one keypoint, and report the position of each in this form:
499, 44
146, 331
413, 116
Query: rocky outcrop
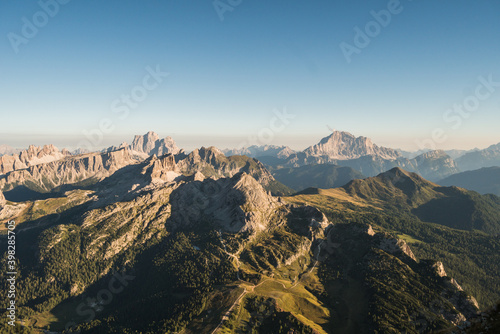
465, 304
47, 176
237, 204
395, 246
488, 157
212, 162
150, 144
344, 146
163, 168
31, 157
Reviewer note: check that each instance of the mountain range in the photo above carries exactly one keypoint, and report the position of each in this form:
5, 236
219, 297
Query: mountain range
149, 238
484, 180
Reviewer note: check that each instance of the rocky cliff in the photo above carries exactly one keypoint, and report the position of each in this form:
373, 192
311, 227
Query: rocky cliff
71, 170
31, 157
344, 146
235, 204
150, 144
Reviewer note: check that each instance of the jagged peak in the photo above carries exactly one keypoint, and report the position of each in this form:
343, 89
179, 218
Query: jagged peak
341, 145
207, 151
338, 134
150, 143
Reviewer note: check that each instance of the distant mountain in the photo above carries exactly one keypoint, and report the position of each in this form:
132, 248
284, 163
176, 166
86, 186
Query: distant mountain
320, 176
433, 165
146, 145
455, 154
412, 154
150, 143
254, 151
484, 181
30, 157
488, 157
344, 146
361, 154
212, 162
450, 206
8, 150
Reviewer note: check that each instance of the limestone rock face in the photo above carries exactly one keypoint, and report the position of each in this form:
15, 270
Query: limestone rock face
151, 144
163, 168
344, 146
467, 305
48, 176
237, 204
31, 157
212, 162
438, 266
392, 245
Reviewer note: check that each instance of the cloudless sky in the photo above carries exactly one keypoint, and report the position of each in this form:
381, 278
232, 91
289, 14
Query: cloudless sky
227, 78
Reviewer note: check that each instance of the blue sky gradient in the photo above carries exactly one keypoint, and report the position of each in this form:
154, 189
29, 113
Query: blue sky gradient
227, 77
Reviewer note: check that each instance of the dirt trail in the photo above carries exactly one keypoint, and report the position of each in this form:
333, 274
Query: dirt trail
252, 286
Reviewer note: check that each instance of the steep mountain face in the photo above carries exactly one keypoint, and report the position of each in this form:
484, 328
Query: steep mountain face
411, 154
151, 144
211, 162
254, 151
484, 181
488, 157
319, 176
237, 204
31, 157
45, 177
345, 146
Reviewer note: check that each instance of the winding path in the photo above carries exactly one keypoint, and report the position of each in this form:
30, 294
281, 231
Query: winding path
253, 286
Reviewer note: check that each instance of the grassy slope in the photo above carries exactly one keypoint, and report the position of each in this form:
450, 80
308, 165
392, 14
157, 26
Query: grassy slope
471, 257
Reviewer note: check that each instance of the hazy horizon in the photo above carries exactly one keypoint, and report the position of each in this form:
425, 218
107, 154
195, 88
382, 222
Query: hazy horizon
394, 71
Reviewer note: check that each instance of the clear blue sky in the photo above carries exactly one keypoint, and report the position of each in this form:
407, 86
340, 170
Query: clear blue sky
226, 77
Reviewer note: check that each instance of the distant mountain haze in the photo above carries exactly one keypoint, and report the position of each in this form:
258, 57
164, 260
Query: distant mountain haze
485, 180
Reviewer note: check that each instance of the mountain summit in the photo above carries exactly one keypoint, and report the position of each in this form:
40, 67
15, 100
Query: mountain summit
342, 145
151, 144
